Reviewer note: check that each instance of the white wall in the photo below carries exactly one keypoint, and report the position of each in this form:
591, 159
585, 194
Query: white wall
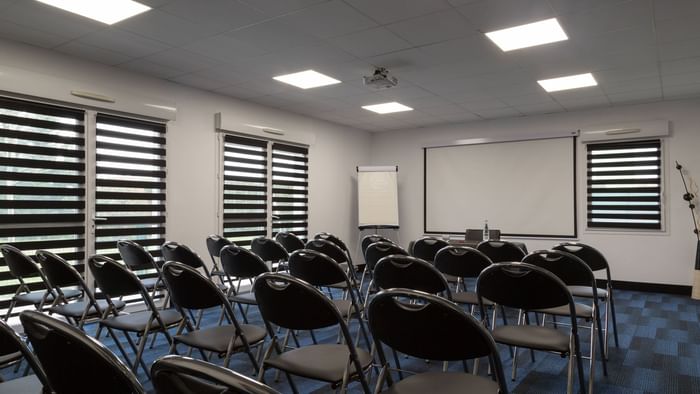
658, 257
192, 145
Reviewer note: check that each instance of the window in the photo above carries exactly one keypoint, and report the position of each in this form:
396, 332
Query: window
130, 185
42, 183
289, 189
251, 186
624, 185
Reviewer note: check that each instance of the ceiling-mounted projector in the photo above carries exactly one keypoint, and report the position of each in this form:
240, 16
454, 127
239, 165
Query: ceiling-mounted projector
380, 79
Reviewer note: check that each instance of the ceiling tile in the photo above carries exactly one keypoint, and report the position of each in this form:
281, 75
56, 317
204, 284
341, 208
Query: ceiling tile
681, 79
200, 81
616, 87
539, 108
489, 15
682, 91
681, 66
497, 113
617, 16
670, 9
677, 29
27, 35
277, 7
93, 53
167, 28
637, 96
538, 98
182, 60
225, 48
370, 42
484, 104
338, 90
612, 75
572, 6
327, 20
49, 19
674, 50
273, 35
575, 94
465, 116
228, 75
225, 14
637, 38
388, 11
149, 68
443, 110
428, 29
124, 42
572, 102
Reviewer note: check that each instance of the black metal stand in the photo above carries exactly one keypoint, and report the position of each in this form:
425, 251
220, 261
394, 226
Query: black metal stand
690, 198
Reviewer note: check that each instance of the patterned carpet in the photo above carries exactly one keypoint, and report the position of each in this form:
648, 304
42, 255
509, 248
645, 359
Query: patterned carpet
659, 352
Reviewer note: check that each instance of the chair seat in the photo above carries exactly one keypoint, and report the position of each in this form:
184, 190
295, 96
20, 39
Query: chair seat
24, 385
533, 337
217, 338
136, 322
324, 362
587, 292
76, 309
451, 278
468, 297
244, 298
35, 297
150, 283
344, 306
443, 382
582, 310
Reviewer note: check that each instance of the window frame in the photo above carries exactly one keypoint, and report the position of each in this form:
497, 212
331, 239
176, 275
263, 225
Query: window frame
662, 179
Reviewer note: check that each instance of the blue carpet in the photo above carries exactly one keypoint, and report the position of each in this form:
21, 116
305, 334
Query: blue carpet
659, 352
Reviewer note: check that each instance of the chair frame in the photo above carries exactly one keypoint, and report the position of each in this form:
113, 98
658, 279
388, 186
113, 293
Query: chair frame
378, 320
271, 315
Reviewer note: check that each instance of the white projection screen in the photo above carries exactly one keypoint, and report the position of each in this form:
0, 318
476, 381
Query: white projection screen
523, 188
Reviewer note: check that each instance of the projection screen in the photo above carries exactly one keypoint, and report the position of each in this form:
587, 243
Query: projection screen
523, 188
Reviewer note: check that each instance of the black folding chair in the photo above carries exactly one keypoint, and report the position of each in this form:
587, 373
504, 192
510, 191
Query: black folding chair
192, 291
173, 251
427, 247
501, 251
241, 264
270, 251
117, 281
527, 288
373, 254
399, 271
13, 350
93, 368
60, 275
291, 303
183, 375
214, 245
289, 241
431, 328
136, 257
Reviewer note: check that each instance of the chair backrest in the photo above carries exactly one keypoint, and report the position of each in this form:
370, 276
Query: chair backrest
134, 255
567, 267
501, 251
399, 271
269, 249
427, 247
376, 251
316, 268
93, 368
11, 342
20, 264
173, 251
461, 261
183, 375
189, 289
475, 234
241, 263
328, 248
590, 255
292, 303
334, 239
370, 239
523, 286
59, 273
432, 328
113, 278
289, 241
215, 243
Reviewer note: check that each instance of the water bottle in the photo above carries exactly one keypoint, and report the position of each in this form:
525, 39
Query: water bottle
486, 230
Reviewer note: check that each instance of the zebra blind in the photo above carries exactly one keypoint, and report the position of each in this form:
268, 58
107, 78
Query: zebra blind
624, 185
130, 185
244, 189
42, 184
290, 200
